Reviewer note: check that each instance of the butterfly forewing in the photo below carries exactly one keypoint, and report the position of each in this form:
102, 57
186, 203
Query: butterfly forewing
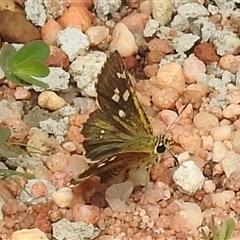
120, 124
117, 98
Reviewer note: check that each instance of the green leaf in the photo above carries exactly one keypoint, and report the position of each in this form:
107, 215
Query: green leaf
11, 77
7, 54
227, 229
214, 229
4, 134
32, 80
31, 68
4, 152
36, 50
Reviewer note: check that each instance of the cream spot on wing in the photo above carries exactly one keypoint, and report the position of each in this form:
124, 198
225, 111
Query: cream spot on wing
126, 95
116, 97
121, 75
116, 90
101, 165
121, 113
112, 159
102, 131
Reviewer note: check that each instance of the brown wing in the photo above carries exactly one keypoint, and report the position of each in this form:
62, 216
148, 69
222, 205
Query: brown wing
120, 120
112, 166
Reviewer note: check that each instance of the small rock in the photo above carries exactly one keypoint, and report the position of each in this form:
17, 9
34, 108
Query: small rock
231, 163
104, 8
199, 89
56, 162
194, 69
206, 53
233, 96
41, 141
77, 16
69, 146
43, 223
150, 28
76, 164
139, 177
230, 63
85, 70
219, 151
221, 133
154, 57
146, 7
231, 111
136, 22
193, 214
222, 199
78, 119
205, 121
55, 9
9, 110
49, 32
72, 41
121, 35
74, 134
19, 129
162, 11
28, 234
162, 45
44, 192
207, 143
86, 213
209, 186
179, 42
35, 12
225, 42
188, 178
118, 194
165, 98
190, 140
39, 189
170, 75
97, 34
22, 94
36, 115
57, 58
156, 192
235, 141
65, 229
19, 31
63, 197
232, 183
151, 70
193, 10
50, 101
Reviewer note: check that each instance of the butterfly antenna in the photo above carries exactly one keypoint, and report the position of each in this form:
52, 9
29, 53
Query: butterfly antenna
176, 162
177, 118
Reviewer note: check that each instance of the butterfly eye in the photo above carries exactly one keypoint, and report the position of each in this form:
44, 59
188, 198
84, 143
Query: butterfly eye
160, 148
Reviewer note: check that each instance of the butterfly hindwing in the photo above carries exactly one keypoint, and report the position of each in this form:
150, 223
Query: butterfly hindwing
111, 166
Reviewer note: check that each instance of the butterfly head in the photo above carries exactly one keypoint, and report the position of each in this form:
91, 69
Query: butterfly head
163, 143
